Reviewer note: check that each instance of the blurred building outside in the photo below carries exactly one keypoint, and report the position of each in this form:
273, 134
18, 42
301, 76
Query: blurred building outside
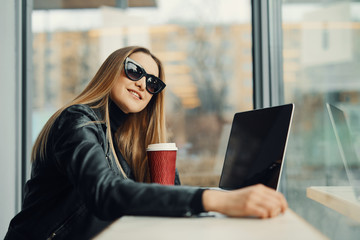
208, 71
203, 90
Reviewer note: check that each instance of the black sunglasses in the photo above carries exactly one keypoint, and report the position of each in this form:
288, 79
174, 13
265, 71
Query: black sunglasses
135, 72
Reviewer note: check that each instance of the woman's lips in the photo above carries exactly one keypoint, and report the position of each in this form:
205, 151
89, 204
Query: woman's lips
137, 95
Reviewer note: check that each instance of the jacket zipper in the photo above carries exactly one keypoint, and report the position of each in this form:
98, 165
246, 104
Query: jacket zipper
62, 225
111, 163
52, 236
107, 156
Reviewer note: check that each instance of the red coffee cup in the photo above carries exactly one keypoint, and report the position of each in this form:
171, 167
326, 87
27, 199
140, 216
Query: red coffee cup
162, 162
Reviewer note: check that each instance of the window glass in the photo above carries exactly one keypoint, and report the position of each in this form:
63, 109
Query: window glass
204, 45
321, 65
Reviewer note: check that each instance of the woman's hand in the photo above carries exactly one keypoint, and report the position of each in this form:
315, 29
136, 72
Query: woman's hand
258, 201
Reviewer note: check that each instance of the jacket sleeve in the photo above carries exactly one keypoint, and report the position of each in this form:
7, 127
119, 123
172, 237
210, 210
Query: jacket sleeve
78, 151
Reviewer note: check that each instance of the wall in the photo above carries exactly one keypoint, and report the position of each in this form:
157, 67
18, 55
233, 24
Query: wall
9, 107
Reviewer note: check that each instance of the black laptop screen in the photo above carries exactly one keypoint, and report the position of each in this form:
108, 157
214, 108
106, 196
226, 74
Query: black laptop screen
256, 147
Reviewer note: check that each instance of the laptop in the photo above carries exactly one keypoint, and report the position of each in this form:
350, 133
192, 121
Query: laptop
346, 147
256, 147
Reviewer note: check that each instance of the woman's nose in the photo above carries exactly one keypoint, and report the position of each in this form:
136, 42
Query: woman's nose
141, 83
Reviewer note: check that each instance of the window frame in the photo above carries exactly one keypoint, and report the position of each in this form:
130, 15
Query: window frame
268, 86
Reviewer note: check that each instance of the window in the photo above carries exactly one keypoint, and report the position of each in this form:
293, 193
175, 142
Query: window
201, 43
321, 64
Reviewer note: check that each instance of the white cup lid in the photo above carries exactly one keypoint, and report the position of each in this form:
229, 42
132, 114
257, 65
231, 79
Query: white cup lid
162, 147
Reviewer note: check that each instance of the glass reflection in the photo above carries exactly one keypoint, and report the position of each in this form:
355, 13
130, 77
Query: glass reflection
321, 64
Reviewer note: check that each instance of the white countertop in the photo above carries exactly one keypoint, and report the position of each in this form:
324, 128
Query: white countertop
218, 227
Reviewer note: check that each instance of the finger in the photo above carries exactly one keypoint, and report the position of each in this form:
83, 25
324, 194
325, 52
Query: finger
256, 210
261, 212
270, 194
269, 212
275, 212
263, 205
284, 203
269, 200
271, 204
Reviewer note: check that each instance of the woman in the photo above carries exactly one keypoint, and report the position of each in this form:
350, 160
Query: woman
90, 166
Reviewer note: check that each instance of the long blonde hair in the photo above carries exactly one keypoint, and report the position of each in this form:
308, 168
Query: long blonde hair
139, 129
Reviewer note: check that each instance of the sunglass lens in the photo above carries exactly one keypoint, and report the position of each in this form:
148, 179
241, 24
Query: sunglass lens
134, 72
153, 85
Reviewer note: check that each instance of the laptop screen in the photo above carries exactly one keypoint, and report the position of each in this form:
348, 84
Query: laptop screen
256, 147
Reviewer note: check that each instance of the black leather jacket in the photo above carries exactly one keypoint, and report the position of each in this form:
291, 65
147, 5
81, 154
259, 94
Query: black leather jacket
77, 190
